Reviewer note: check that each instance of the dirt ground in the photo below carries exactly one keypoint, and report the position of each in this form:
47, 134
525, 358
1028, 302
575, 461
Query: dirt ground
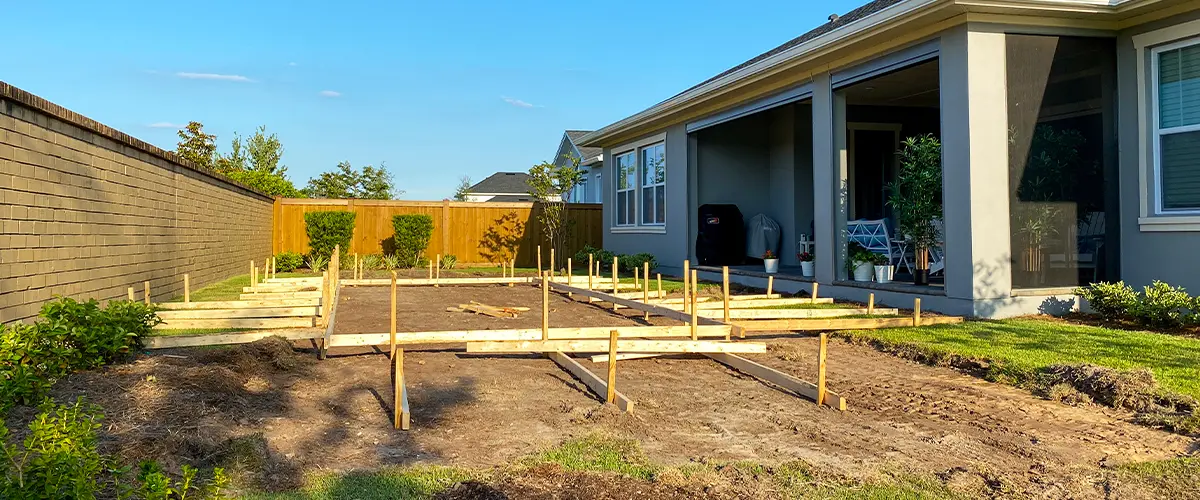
489, 410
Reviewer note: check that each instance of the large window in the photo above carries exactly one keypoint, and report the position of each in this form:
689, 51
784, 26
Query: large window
624, 166
1177, 126
654, 185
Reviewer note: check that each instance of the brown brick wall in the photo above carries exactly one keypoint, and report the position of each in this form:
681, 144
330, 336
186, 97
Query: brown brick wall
86, 211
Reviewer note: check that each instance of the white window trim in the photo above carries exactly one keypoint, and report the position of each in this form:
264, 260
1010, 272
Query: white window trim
636, 148
1148, 46
632, 190
642, 187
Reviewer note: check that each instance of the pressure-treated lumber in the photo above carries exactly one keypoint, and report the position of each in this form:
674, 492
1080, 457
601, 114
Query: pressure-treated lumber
612, 368
401, 413
239, 304
282, 295
258, 312
588, 332
745, 304
131, 297
173, 341
603, 358
147, 292
798, 325
237, 323
280, 288
725, 292
484, 309
651, 346
632, 304
392, 318
594, 382
705, 298
778, 378
790, 313
546, 307
441, 281
687, 288
821, 392
332, 319
187, 288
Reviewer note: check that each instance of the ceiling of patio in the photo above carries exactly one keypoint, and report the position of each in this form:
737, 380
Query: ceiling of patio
915, 86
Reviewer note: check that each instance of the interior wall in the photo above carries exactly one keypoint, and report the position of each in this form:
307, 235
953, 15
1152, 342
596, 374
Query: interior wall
733, 161
782, 179
803, 182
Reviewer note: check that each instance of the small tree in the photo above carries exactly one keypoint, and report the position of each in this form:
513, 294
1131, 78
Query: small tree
327, 230
551, 184
413, 232
370, 183
464, 188
196, 146
916, 196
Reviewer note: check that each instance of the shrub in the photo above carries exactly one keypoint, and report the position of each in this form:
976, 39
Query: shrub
1113, 301
58, 459
448, 261
628, 263
372, 262
604, 257
390, 262
317, 263
288, 261
327, 230
1163, 305
413, 232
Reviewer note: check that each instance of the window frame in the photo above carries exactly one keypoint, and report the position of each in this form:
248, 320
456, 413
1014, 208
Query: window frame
1158, 132
636, 148
642, 187
631, 190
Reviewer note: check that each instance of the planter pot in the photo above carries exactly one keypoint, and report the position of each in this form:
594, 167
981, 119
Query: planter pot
862, 271
806, 269
921, 277
883, 274
771, 265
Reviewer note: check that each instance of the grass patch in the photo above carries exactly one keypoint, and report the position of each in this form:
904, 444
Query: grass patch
1175, 478
598, 454
231, 289
388, 483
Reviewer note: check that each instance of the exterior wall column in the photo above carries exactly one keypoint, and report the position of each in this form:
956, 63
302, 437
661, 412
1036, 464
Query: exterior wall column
829, 179
975, 166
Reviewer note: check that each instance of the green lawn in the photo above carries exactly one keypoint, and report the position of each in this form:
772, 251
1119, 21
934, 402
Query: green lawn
231, 288
1023, 346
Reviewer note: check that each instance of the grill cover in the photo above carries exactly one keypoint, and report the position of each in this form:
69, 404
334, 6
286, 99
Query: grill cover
721, 235
762, 234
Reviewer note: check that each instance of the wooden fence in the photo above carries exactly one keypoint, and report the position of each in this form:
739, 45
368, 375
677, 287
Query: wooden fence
476, 233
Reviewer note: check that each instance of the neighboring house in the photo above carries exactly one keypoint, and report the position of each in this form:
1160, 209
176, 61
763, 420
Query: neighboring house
1070, 134
502, 187
590, 189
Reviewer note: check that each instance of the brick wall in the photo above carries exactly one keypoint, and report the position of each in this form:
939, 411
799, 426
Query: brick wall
87, 211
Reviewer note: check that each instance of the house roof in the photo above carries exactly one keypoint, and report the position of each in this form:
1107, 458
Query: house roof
503, 183
512, 198
587, 153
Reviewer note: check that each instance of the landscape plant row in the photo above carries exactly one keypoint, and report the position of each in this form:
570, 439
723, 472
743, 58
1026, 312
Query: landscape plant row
1158, 305
626, 263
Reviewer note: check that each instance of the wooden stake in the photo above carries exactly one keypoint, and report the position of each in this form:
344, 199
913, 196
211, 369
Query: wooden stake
611, 397
545, 307
552, 262
725, 290
131, 297
539, 260
392, 315
814, 292
187, 288
636, 283
253, 285
147, 284
570, 276
401, 405
770, 285
590, 263
821, 370
686, 287
693, 307
871, 304
355, 273
660, 292
512, 270
917, 312
615, 284
437, 270
646, 289
274, 269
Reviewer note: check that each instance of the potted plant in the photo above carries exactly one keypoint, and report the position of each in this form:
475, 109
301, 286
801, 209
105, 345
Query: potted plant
916, 198
770, 262
860, 261
806, 263
883, 268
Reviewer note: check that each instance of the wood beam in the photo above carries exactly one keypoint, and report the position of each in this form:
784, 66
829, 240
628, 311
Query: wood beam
174, 341
797, 325
778, 378
239, 304
790, 313
643, 346
633, 304
237, 323
593, 381
258, 312
459, 337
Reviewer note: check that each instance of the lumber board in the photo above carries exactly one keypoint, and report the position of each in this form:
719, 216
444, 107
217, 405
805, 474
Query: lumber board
788, 382
593, 381
315, 280
238, 304
169, 342
790, 313
238, 323
797, 325
331, 320
643, 346
261, 296
487, 310
437, 281
633, 304
459, 337
256, 312
261, 288
749, 304
603, 358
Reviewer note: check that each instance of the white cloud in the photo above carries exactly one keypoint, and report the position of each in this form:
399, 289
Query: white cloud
213, 76
330, 93
165, 125
292, 64
518, 103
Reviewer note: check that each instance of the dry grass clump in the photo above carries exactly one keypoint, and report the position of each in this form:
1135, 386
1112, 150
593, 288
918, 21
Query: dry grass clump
1135, 390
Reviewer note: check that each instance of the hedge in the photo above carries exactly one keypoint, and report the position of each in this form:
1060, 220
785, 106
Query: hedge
327, 230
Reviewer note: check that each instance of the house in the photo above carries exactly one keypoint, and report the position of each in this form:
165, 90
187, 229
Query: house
590, 159
502, 187
1070, 148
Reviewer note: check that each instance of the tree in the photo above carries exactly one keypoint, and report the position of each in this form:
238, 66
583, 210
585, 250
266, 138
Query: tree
464, 188
370, 183
235, 160
196, 146
550, 184
272, 184
265, 152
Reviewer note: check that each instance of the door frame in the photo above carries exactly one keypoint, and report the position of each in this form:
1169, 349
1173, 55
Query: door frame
851, 128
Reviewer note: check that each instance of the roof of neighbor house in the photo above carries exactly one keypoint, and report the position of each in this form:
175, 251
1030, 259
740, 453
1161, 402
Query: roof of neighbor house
503, 183
586, 153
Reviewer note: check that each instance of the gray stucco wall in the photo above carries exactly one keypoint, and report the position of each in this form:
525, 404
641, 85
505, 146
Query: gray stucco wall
1146, 256
669, 247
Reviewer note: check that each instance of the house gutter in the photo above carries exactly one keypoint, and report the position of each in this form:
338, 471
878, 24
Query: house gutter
837, 38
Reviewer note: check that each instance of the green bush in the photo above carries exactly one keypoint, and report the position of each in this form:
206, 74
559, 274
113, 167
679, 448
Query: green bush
389, 262
604, 257
288, 261
448, 261
630, 262
1113, 301
1163, 305
413, 232
327, 230
317, 263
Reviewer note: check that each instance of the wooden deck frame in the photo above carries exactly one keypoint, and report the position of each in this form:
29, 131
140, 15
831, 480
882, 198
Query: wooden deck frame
814, 324
272, 322
591, 380
248, 312
778, 378
734, 303
238, 304
735, 314
623, 346
525, 334
170, 342
633, 304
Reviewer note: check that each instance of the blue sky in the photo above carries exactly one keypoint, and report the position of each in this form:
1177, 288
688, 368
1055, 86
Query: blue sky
437, 90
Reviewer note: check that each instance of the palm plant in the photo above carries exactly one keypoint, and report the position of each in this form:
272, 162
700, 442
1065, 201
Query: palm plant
916, 197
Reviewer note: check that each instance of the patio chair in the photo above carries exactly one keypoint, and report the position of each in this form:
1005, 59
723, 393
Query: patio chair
872, 235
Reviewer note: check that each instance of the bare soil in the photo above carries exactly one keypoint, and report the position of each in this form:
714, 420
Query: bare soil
294, 414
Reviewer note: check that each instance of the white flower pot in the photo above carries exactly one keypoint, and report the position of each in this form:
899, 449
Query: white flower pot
771, 265
862, 271
806, 269
883, 274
